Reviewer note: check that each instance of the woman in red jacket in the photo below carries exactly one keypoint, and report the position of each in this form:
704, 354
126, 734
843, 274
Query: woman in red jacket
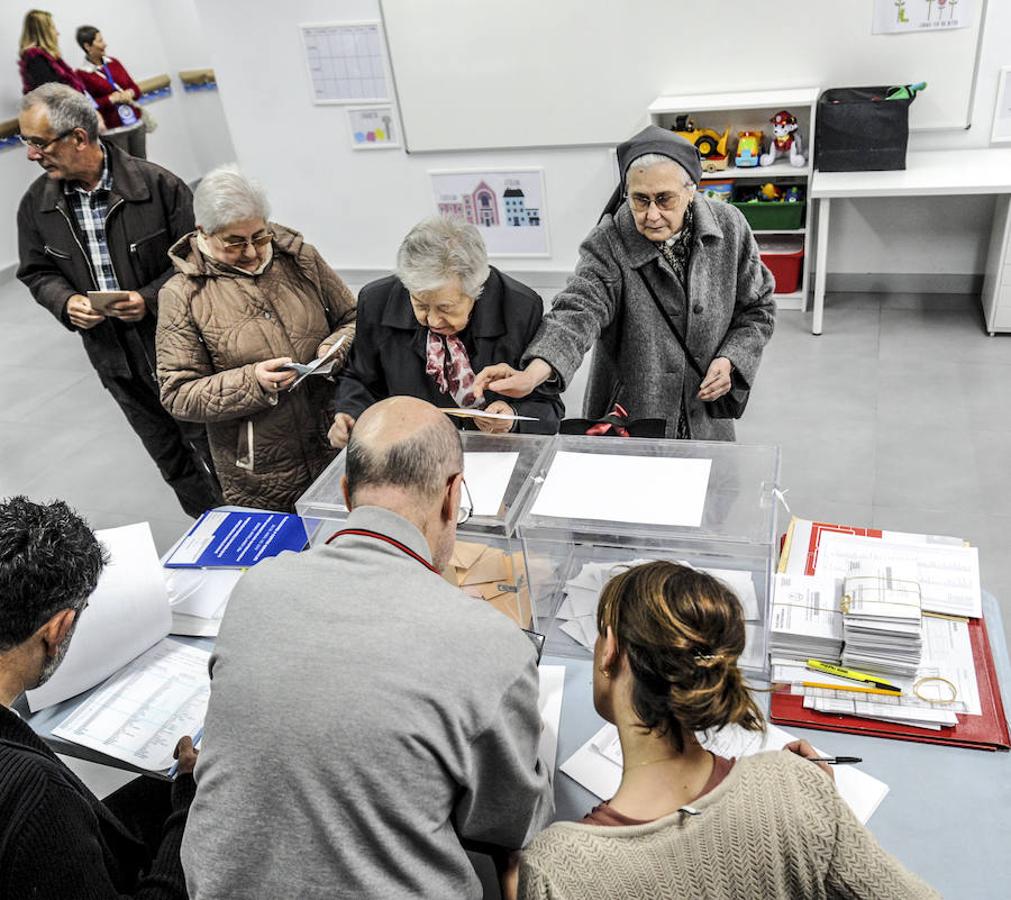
114, 91
39, 59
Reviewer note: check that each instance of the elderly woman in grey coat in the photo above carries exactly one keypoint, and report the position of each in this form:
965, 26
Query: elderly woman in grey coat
661, 258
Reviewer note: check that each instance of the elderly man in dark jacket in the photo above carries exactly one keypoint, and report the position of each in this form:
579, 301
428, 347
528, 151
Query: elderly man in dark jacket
661, 258
99, 220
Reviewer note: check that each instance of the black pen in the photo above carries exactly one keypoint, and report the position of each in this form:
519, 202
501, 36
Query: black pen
836, 760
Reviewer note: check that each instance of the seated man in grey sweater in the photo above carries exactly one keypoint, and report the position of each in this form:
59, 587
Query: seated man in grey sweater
366, 716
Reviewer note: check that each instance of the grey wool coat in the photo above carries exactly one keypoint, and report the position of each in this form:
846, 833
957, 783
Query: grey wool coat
729, 311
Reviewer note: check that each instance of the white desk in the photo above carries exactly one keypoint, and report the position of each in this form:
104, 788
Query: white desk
931, 173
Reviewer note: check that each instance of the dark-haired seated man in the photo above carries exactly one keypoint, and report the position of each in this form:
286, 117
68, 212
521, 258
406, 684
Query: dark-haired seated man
57, 840
366, 717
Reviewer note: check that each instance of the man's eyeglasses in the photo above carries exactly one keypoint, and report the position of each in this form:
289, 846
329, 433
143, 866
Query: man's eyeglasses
41, 144
665, 202
466, 508
239, 246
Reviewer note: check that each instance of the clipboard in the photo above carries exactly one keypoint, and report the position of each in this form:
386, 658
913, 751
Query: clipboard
988, 731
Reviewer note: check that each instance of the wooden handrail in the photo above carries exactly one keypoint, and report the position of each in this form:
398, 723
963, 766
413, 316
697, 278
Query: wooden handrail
9, 127
154, 83
197, 76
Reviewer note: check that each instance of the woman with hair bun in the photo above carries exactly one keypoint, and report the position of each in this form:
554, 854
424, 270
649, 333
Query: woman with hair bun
686, 823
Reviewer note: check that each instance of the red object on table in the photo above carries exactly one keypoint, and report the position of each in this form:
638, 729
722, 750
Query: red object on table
988, 731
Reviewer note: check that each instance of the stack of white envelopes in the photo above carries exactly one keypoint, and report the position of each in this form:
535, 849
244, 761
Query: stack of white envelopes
578, 610
882, 620
807, 620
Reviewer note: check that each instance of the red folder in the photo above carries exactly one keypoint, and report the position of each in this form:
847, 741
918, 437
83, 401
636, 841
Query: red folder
988, 731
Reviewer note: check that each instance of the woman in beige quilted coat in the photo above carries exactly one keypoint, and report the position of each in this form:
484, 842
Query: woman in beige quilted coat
249, 298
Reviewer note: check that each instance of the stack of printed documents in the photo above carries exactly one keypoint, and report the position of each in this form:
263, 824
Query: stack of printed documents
807, 620
882, 619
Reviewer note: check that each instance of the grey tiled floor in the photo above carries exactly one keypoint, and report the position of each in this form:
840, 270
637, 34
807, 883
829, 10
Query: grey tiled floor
898, 416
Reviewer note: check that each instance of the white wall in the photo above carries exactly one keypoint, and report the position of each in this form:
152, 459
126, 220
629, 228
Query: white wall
940, 235
356, 206
150, 38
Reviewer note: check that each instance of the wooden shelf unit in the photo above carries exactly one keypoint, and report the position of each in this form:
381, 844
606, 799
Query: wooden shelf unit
751, 110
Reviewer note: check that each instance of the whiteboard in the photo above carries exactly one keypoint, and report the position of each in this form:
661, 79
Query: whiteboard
526, 73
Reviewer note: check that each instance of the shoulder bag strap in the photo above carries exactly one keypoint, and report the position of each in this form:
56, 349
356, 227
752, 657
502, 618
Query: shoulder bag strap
670, 324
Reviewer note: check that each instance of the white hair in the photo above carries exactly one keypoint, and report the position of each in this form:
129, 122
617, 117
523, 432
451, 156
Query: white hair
437, 249
67, 109
225, 196
648, 160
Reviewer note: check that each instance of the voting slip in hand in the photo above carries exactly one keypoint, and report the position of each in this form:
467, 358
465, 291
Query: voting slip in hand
101, 300
321, 366
481, 414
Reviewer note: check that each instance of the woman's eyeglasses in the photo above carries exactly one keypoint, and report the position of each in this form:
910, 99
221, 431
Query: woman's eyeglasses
665, 202
261, 240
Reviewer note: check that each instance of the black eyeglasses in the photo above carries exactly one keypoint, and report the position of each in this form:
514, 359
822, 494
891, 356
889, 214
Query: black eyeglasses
466, 508
42, 145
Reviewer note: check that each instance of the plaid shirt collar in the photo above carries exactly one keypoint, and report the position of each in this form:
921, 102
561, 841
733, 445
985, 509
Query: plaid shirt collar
90, 209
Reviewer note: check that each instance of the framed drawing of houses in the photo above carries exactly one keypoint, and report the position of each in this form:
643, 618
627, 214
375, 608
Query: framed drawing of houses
507, 206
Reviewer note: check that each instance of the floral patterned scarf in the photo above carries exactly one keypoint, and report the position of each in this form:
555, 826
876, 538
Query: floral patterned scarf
448, 365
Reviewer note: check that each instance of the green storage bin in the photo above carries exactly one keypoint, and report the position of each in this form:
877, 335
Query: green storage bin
773, 216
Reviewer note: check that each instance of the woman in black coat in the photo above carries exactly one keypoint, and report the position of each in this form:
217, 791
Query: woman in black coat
427, 330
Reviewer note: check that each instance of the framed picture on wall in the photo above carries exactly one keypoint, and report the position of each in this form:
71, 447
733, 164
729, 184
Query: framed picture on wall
346, 62
373, 127
507, 206
1001, 133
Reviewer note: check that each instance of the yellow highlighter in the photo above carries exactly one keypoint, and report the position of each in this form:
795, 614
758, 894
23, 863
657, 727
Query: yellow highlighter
851, 688
875, 681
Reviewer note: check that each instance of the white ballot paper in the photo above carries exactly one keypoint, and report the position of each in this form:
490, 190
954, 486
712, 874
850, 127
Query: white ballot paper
127, 614
482, 414
948, 575
597, 764
322, 365
549, 705
647, 490
487, 476
140, 713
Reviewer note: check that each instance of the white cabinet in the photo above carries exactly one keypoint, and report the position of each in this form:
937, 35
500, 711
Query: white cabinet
996, 296
751, 111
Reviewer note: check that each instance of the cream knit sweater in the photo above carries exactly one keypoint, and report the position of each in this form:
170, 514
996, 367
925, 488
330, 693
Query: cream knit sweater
775, 827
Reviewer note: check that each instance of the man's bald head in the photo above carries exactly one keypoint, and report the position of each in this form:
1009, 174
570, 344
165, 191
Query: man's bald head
403, 443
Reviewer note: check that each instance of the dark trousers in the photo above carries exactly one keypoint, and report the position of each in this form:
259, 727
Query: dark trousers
179, 449
143, 805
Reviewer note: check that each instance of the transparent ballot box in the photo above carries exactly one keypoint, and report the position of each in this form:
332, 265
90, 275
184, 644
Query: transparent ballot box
601, 503
488, 560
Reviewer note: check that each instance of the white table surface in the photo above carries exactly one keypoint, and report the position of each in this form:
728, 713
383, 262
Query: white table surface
947, 815
927, 173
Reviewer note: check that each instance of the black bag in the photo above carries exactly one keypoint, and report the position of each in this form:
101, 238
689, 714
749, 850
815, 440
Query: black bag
859, 130
616, 424
733, 403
